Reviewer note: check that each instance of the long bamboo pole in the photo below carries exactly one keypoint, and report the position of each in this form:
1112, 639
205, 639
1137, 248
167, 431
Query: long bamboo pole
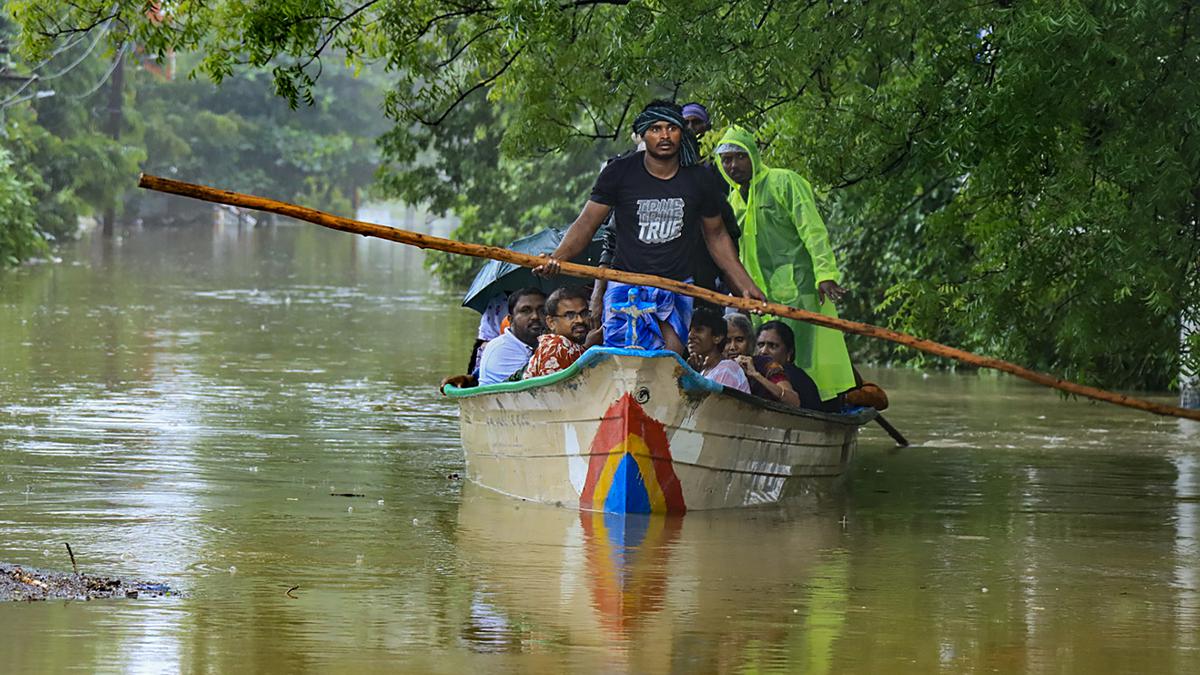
572, 269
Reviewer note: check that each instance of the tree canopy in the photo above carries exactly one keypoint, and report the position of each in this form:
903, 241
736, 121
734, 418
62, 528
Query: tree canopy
1015, 178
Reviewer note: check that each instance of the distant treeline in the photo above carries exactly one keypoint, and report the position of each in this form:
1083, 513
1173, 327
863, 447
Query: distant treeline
80, 124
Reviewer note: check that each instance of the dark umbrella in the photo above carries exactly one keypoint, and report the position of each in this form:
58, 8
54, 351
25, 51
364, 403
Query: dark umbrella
502, 277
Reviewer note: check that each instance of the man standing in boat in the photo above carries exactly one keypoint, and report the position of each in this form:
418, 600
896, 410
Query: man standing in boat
785, 248
665, 205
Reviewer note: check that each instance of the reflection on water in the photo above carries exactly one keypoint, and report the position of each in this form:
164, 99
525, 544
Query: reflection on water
180, 404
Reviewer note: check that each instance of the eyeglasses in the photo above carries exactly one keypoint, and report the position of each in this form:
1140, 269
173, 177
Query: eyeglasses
572, 316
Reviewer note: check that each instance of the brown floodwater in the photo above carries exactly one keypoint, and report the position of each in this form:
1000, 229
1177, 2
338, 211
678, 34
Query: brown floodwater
180, 404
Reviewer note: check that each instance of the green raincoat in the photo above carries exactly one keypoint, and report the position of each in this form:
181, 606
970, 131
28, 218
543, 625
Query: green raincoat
785, 248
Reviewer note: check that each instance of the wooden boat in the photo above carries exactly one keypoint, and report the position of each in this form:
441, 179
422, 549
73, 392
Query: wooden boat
629, 431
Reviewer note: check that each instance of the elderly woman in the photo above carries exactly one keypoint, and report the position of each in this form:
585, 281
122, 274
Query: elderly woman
767, 376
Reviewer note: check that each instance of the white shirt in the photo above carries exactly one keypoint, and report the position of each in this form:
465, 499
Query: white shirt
730, 374
502, 357
493, 316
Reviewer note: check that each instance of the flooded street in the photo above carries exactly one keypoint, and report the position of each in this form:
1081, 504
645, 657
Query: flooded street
190, 406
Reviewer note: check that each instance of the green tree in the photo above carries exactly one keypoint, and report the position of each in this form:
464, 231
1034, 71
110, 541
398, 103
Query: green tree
19, 235
54, 136
1017, 178
458, 166
240, 135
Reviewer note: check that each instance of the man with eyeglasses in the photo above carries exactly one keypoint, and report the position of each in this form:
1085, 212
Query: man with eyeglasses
568, 333
504, 357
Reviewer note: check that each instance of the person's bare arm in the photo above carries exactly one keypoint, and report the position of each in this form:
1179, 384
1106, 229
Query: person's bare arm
460, 381
720, 247
595, 337
576, 239
781, 390
787, 395
596, 306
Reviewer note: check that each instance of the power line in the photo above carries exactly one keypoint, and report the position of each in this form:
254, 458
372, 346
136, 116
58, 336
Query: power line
112, 68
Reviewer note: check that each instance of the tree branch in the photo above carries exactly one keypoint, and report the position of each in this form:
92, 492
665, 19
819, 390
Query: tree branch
463, 95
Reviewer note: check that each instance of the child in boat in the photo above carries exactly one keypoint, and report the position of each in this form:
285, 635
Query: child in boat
706, 351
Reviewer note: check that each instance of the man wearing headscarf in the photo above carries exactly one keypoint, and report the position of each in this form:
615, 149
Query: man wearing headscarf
708, 275
665, 206
785, 249
695, 116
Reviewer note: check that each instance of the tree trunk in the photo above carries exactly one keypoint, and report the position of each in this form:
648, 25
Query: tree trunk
116, 119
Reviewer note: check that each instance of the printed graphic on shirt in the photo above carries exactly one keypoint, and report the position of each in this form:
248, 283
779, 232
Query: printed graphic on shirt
660, 220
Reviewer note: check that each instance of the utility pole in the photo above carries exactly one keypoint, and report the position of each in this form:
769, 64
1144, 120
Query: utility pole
116, 119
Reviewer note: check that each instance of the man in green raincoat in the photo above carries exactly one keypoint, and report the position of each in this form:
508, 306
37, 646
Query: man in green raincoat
785, 248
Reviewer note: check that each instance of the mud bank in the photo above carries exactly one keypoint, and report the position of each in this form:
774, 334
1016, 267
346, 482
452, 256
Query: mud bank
22, 583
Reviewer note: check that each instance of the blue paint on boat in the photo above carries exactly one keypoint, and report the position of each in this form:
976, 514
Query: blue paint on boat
628, 493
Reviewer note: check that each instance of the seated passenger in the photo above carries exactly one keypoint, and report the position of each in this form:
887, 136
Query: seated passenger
504, 357
706, 344
767, 377
740, 341
776, 340
490, 328
568, 324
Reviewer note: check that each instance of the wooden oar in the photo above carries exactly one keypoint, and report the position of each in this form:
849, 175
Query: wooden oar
585, 271
892, 431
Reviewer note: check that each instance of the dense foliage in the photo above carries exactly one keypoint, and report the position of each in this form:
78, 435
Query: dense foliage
59, 160
1016, 178
240, 136
62, 163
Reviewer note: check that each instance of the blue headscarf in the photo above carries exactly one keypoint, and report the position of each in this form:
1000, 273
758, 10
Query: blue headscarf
689, 149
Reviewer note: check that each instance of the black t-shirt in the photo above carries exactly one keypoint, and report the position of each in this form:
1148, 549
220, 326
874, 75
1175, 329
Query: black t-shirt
657, 222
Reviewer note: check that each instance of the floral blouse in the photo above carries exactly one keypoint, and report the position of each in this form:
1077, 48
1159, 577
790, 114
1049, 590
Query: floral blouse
553, 353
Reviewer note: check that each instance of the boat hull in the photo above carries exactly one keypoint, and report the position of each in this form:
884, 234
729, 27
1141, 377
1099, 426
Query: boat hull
624, 431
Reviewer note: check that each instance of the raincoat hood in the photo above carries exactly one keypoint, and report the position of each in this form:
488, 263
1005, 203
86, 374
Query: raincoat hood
745, 140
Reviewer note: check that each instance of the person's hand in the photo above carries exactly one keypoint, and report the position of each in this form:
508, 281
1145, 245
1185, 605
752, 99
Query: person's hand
752, 293
831, 290
747, 364
459, 381
549, 268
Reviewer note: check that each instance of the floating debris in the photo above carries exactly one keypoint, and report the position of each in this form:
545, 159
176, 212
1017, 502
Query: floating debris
31, 584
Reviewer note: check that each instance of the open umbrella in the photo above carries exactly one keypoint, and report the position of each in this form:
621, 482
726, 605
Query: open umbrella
501, 277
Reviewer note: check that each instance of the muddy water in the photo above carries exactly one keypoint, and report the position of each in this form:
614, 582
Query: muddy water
180, 405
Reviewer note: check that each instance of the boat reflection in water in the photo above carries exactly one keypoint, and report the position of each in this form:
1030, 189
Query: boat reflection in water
651, 592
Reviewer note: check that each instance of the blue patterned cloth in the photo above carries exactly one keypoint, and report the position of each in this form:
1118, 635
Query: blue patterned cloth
632, 313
